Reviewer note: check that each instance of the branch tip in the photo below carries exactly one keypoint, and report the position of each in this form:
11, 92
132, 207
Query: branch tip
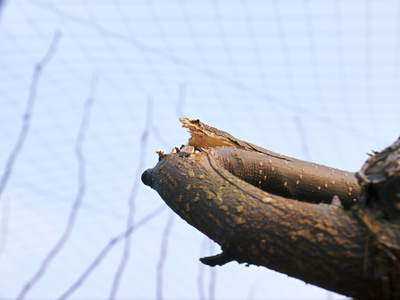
219, 259
146, 177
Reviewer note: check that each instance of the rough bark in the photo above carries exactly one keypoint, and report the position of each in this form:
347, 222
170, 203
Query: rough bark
309, 221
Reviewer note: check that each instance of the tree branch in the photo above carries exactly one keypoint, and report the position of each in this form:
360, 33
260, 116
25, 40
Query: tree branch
274, 172
285, 225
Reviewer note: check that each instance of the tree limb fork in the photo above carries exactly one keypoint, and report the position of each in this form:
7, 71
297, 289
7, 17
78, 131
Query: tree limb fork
309, 221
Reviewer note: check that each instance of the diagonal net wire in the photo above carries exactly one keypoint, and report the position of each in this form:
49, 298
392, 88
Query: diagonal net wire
168, 226
163, 256
26, 123
78, 199
215, 76
106, 249
4, 223
131, 203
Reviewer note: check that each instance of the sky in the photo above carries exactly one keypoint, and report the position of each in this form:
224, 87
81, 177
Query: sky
316, 80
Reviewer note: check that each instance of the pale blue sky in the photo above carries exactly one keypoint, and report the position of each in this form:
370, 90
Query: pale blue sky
312, 79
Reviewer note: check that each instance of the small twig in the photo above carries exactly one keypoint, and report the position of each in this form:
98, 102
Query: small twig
131, 202
26, 122
78, 199
217, 260
102, 254
163, 255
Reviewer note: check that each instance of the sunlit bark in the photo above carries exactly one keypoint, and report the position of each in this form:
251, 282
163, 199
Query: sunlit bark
308, 221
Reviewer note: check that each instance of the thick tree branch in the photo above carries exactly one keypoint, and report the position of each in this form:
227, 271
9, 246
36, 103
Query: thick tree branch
274, 172
380, 178
214, 184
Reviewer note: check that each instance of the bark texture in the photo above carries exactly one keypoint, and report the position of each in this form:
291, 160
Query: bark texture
327, 227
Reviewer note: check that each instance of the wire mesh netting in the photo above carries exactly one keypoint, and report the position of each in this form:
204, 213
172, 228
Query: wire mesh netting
90, 89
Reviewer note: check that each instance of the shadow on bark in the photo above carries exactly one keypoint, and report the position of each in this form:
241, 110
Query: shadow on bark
331, 228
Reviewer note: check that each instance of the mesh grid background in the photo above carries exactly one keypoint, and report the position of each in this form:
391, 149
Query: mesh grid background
312, 79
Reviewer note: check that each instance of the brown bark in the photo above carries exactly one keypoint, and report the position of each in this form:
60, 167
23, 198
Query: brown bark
271, 210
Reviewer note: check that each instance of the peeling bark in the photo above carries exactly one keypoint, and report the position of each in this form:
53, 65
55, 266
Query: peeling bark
299, 218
